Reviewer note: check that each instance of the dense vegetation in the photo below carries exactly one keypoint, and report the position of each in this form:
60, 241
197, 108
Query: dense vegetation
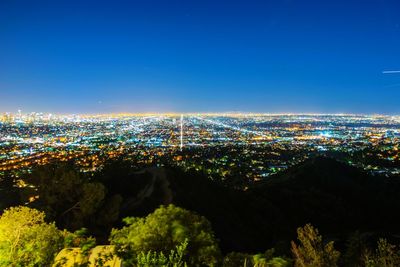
355, 212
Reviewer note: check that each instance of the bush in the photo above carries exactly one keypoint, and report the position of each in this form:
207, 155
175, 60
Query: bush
163, 230
266, 259
174, 259
26, 239
386, 255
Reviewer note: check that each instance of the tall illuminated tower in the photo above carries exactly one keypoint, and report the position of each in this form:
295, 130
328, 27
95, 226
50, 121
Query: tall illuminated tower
181, 146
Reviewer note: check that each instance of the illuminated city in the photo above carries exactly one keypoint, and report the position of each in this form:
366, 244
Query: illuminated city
263, 144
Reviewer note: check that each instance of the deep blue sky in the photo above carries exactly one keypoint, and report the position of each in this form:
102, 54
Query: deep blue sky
184, 56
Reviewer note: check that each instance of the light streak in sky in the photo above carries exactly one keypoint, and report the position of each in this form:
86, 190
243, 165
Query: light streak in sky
391, 71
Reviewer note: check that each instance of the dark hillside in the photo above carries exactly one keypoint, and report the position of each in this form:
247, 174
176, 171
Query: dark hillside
336, 198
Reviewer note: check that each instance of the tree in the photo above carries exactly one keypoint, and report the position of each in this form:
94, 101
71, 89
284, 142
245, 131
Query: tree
26, 239
312, 252
386, 255
355, 248
162, 231
109, 212
9, 195
65, 194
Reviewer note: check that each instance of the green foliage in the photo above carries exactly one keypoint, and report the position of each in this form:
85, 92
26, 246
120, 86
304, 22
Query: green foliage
279, 262
262, 259
312, 252
174, 259
162, 231
26, 239
266, 259
79, 239
386, 255
235, 259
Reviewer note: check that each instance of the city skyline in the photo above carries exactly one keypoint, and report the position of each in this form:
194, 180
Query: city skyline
98, 57
227, 113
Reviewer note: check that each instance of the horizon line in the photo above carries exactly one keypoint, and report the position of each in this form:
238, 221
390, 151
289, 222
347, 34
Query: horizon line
122, 114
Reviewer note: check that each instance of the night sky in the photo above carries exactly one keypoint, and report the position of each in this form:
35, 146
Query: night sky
200, 56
